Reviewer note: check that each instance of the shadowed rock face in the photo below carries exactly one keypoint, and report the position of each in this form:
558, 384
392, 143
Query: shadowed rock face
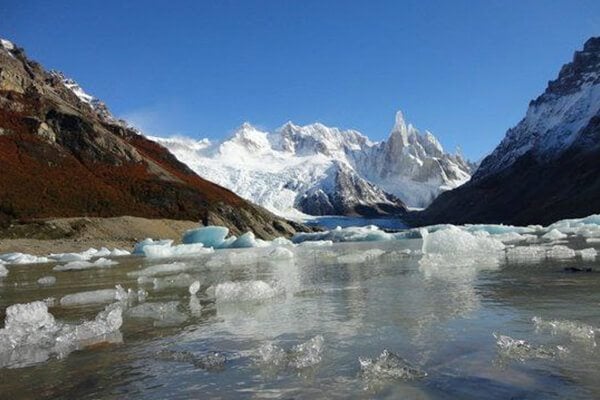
547, 167
61, 156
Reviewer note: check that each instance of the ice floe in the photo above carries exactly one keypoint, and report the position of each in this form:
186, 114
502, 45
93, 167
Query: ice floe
89, 297
194, 288
80, 265
181, 250
389, 365
3, 271
164, 314
31, 334
554, 234
161, 269
360, 257
575, 330
588, 254
46, 280
300, 356
245, 291
521, 350
22, 258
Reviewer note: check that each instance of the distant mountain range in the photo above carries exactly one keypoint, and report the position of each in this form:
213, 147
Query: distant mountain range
548, 166
62, 154
319, 170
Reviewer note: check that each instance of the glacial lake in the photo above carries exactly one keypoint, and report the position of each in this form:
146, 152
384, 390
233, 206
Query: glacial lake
318, 326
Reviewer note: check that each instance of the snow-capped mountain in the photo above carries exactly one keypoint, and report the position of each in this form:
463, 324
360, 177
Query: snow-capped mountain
547, 167
319, 170
556, 118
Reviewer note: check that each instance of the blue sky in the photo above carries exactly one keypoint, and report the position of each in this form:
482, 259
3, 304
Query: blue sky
465, 70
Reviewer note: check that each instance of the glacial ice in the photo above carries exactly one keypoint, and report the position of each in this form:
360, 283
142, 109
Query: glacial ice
363, 256
560, 252
32, 335
454, 241
89, 297
247, 240
280, 253
138, 248
554, 234
46, 280
588, 254
526, 254
3, 271
181, 250
316, 243
246, 291
300, 356
22, 258
521, 350
368, 233
209, 236
194, 288
577, 331
160, 269
389, 365
80, 265
164, 314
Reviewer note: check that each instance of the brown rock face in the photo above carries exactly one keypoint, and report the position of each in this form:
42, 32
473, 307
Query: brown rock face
62, 157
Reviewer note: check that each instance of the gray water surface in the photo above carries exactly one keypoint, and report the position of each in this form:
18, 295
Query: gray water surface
442, 324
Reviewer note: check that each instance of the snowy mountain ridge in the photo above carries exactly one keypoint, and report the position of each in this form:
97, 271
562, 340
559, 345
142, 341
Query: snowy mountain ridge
320, 170
554, 120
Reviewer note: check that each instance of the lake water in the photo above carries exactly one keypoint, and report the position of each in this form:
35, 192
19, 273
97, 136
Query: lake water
344, 302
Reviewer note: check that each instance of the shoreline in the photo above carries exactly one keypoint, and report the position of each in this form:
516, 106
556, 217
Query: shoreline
60, 235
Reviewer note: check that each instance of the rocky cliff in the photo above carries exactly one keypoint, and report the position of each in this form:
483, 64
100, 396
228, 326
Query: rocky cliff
62, 154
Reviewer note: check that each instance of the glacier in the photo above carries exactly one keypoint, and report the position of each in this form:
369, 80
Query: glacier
297, 171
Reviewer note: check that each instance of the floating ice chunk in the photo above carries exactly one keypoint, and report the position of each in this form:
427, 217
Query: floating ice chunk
194, 288
300, 356
592, 240
498, 229
554, 234
3, 271
129, 295
79, 265
31, 334
577, 331
67, 257
89, 297
139, 246
363, 256
351, 234
209, 236
22, 258
280, 253
520, 349
281, 241
512, 237
525, 254
245, 291
587, 254
248, 240
182, 250
560, 252
316, 243
46, 280
454, 241
165, 314
105, 252
161, 269
389, 366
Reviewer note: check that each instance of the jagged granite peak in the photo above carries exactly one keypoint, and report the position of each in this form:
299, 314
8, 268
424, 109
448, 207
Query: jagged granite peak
62, 154
554, 119
547, 167
316, 169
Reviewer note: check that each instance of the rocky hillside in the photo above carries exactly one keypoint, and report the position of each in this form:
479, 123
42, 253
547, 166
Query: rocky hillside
62, 154
548, 166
